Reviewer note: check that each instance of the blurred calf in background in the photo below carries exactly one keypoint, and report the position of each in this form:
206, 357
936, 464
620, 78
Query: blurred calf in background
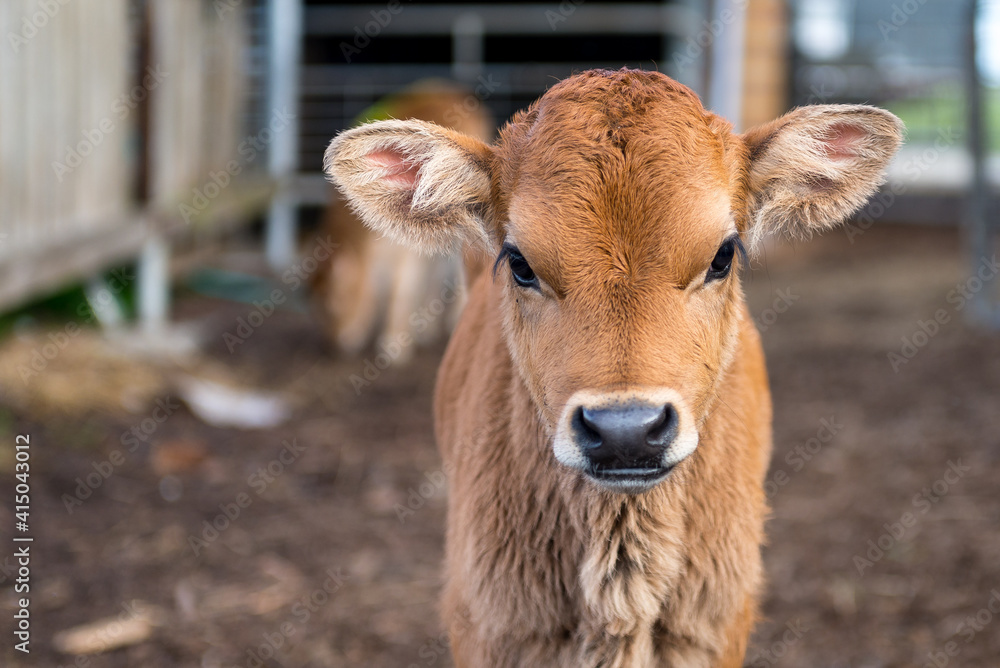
374, 290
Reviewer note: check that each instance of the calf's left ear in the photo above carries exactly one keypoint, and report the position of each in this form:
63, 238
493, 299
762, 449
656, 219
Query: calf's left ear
813, 167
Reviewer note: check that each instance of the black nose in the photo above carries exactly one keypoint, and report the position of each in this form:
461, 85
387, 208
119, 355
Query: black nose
628, 436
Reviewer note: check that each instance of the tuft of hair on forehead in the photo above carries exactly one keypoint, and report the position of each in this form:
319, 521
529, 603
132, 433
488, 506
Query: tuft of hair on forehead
626, 86
596, 117
606, 104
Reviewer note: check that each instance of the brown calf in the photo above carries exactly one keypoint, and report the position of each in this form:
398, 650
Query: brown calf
603, 405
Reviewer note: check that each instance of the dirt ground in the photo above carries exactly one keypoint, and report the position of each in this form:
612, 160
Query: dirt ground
883, 543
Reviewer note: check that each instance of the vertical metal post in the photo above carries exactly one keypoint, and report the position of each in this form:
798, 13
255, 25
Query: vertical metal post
725, 78
284, 18
467, 47
978, 235
675, 54
153, 279
154, 284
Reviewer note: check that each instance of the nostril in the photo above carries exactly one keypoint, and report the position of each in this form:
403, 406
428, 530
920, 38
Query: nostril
655, 424
586, 427
663, 429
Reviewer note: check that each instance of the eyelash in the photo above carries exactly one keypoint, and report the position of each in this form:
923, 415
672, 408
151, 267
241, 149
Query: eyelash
510, 253
738, 250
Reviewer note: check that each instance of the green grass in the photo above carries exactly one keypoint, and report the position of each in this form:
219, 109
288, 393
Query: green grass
926, 116
66, 305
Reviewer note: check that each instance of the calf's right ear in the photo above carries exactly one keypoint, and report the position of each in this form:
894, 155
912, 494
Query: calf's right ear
416, 182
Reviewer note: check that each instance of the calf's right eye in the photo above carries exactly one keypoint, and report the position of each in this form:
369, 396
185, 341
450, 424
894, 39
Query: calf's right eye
523, 275
723, 260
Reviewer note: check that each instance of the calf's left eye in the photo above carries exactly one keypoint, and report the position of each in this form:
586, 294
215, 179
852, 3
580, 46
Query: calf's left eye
523, 274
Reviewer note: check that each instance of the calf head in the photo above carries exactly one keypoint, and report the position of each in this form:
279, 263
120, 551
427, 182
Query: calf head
619, 211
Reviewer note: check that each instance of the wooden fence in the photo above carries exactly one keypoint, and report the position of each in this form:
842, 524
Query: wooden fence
114, 116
